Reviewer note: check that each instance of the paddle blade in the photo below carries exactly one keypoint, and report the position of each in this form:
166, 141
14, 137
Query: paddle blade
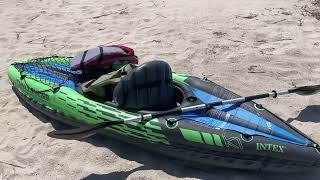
307, 90
83, 132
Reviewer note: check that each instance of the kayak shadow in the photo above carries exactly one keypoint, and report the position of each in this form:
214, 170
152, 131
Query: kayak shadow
114, 175
309, 114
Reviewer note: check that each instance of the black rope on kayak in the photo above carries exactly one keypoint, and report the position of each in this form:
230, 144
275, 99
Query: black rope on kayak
56, 89
23, 76
53, 89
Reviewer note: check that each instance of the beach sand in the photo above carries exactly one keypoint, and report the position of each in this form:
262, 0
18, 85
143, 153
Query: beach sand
250, 47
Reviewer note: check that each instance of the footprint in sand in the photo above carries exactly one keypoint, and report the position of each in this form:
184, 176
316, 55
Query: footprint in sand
171, 30
3, 39
294, 52
216, 49
267, 51
219, 34
196, 41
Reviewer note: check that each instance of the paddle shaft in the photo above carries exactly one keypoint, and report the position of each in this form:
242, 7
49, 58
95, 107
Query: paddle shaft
147, 117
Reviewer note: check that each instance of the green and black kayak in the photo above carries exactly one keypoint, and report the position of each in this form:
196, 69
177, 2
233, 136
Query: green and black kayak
243, 135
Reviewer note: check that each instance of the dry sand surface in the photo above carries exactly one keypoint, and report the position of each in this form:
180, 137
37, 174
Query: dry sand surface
247, 46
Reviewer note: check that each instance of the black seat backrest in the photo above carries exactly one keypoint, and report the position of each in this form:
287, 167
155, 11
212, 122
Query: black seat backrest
147, 87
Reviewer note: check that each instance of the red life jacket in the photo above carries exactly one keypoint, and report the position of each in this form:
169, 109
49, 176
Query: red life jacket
103, 57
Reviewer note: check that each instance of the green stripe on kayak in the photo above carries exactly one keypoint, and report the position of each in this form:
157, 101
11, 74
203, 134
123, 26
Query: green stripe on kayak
217, 140
207, 138
201, 137
149, 125
191, 135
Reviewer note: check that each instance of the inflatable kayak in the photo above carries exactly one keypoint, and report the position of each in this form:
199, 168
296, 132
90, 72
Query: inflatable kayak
243, 136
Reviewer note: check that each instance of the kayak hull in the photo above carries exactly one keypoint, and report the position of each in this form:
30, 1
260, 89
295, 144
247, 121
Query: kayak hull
195, 157
191, 139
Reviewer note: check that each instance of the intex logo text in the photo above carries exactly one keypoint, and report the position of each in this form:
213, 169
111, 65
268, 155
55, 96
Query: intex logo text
270, 147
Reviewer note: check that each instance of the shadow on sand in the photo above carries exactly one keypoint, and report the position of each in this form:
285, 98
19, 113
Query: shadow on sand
175, 168
309, 114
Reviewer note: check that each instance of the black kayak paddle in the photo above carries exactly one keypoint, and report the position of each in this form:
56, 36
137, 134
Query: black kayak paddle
84, 132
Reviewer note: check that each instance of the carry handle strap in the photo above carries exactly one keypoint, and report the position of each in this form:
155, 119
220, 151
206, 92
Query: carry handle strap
82, 61
101, 54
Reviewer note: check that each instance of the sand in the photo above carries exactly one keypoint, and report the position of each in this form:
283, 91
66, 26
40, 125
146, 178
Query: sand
247, 46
